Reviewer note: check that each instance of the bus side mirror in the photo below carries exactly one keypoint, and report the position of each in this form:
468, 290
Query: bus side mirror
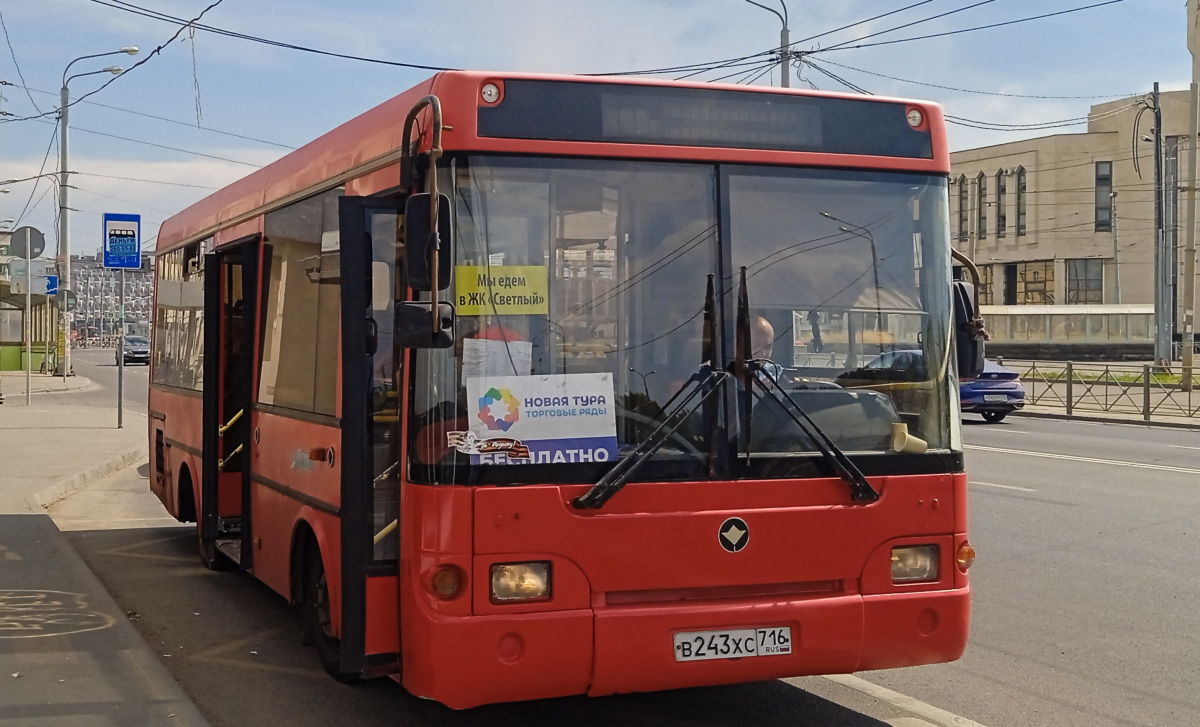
413, 329
419, 243
969, 333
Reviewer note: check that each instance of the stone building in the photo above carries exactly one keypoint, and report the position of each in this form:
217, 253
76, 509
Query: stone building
1067, 219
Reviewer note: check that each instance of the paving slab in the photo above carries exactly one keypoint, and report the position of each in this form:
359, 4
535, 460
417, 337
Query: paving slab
48, 450
68, 655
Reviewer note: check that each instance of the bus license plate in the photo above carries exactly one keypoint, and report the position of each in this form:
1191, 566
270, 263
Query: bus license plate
735, 644
995, 398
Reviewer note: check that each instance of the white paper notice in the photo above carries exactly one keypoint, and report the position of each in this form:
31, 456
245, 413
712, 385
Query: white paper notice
484, 358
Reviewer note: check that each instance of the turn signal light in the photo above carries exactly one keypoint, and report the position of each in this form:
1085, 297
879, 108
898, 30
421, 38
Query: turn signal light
914, 564
965, 557
520, 582
446, 582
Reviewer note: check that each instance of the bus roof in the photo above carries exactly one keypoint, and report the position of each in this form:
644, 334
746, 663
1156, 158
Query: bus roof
371, 141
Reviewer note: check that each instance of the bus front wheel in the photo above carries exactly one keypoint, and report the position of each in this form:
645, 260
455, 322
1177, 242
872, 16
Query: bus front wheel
318, 623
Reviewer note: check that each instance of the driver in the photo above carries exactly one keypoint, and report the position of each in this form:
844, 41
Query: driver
762, 343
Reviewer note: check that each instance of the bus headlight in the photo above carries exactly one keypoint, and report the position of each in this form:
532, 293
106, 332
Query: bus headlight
520, 582
914, 563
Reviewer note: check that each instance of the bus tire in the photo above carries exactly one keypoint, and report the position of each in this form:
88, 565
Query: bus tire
212, 558
317, 624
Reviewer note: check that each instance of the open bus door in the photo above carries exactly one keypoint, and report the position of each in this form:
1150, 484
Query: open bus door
371, 449
230, 315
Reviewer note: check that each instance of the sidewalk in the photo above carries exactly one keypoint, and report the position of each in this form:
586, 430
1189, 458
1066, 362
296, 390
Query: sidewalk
68, 654
49, 450
12, 385
1086, 415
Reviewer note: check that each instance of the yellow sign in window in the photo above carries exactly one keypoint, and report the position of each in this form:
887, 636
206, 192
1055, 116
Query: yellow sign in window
501, 290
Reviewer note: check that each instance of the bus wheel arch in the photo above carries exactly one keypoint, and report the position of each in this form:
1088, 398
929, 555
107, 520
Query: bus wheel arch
315, 595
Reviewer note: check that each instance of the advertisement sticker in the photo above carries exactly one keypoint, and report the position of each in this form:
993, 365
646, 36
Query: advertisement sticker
539, 419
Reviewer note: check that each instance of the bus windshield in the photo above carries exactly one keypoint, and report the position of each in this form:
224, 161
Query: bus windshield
580, 289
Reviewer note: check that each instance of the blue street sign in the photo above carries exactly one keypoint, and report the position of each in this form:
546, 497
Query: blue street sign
51, 285
122, 241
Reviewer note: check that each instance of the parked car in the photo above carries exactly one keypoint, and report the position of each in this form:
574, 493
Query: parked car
994, 394
137, 350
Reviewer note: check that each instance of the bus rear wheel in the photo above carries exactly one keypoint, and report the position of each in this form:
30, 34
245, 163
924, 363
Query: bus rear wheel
318, 622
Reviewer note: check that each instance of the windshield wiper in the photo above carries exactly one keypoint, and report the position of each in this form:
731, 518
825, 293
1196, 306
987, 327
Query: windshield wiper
860, 489
751, 372
705, 380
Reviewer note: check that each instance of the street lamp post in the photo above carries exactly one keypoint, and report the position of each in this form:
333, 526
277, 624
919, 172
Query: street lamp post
785, 53
64, 228
865, 234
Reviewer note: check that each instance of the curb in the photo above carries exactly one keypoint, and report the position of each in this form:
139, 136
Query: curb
1106, 420
69, 485
86, 385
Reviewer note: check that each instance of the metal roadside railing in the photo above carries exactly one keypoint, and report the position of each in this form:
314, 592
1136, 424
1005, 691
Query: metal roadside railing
1126, 390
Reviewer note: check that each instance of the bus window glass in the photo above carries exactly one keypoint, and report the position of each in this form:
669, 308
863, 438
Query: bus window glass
179, 318
580, 290
300, 331
844, 270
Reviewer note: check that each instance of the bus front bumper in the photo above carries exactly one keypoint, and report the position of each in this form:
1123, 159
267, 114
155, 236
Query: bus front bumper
468, 661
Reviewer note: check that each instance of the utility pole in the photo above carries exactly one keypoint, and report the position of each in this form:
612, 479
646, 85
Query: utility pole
64, 226
1162, 272
1189, 250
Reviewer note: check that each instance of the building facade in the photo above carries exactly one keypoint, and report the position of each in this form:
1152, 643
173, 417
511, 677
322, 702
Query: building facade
1069, 219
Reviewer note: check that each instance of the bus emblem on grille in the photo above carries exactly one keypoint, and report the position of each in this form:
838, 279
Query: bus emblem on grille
733, 534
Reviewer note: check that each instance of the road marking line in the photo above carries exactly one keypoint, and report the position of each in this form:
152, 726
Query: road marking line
1094, 460
1180, 446
1009, 431
925, 711
1004, 487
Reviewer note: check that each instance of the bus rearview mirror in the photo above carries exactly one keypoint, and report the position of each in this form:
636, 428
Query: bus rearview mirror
419, 242
968, 331
413, 329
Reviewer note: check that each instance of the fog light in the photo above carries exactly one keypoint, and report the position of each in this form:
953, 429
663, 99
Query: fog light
914, 563
446, 582
965, 557
520, 582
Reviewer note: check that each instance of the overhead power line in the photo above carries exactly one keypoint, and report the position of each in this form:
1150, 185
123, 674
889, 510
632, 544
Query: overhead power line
38, 179
16, 64
146, 181
713, 65
160, 118
826, 61
970, 30
160, 146
164, 17
909, 25
135, 66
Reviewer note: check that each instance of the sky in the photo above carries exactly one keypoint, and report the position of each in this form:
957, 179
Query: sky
227, 105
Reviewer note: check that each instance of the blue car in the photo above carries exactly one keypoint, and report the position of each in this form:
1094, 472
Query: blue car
994, 393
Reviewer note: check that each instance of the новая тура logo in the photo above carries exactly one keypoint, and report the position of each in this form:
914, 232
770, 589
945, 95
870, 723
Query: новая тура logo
499, 409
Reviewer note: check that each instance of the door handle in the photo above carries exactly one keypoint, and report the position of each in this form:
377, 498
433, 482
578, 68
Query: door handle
372, 336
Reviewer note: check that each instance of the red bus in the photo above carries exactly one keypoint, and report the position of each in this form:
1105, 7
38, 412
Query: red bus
525, 386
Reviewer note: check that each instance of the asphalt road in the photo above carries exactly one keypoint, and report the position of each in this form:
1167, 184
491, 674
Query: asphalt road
1083, 609
100, 366
1088, 574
